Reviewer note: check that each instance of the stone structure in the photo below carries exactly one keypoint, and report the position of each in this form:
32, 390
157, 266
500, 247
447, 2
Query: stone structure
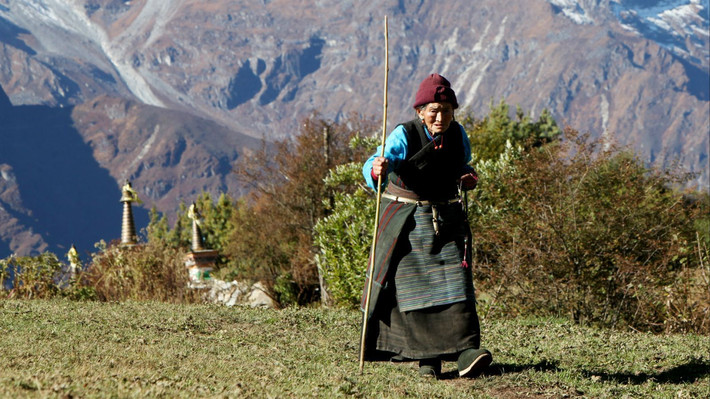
199, 261
74, 262
128, 227
235, 293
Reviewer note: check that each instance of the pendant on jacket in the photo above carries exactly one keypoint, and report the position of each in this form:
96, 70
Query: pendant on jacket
435, 219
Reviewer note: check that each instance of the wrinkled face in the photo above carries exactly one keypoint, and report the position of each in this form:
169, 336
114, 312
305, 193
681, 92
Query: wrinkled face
436, 116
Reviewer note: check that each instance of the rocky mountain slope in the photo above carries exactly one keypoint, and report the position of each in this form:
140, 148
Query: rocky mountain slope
169, 93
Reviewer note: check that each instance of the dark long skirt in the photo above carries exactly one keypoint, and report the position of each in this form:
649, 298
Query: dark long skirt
437, 332
441, 331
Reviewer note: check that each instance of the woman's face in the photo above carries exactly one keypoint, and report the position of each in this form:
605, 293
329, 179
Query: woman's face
436, 116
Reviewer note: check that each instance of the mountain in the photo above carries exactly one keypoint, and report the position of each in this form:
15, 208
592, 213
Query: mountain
51, 183
677, 25
168, 94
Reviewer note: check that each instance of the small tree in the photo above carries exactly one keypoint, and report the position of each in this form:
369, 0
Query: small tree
489, 135
287, 196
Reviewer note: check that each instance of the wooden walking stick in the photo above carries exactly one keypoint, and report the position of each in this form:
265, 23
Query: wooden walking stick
371, 264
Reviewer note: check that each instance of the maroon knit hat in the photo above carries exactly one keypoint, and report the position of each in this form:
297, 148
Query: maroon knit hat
435, 89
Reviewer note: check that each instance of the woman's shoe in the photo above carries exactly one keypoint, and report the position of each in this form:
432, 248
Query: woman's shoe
473, 361
430, 368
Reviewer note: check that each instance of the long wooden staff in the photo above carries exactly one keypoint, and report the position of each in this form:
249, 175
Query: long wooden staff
371, 264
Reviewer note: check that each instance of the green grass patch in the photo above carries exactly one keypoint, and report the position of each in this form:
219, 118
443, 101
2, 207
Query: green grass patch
60, 348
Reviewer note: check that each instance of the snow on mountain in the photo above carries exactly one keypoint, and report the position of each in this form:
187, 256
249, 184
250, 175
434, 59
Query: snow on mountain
72, 17
681, 26
574, 10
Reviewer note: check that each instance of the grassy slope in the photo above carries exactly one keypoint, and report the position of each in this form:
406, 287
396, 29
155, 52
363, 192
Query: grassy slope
62, 349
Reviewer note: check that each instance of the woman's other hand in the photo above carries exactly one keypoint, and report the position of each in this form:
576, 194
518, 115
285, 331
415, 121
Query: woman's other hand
469, 181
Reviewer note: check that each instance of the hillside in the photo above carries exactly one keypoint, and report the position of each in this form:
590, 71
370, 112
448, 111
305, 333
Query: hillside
168, 94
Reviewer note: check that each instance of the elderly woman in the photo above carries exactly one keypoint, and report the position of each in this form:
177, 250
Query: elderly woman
422, 304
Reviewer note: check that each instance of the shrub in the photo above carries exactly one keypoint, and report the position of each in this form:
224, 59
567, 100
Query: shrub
151, 271
344, 237
31, 276
574, 229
